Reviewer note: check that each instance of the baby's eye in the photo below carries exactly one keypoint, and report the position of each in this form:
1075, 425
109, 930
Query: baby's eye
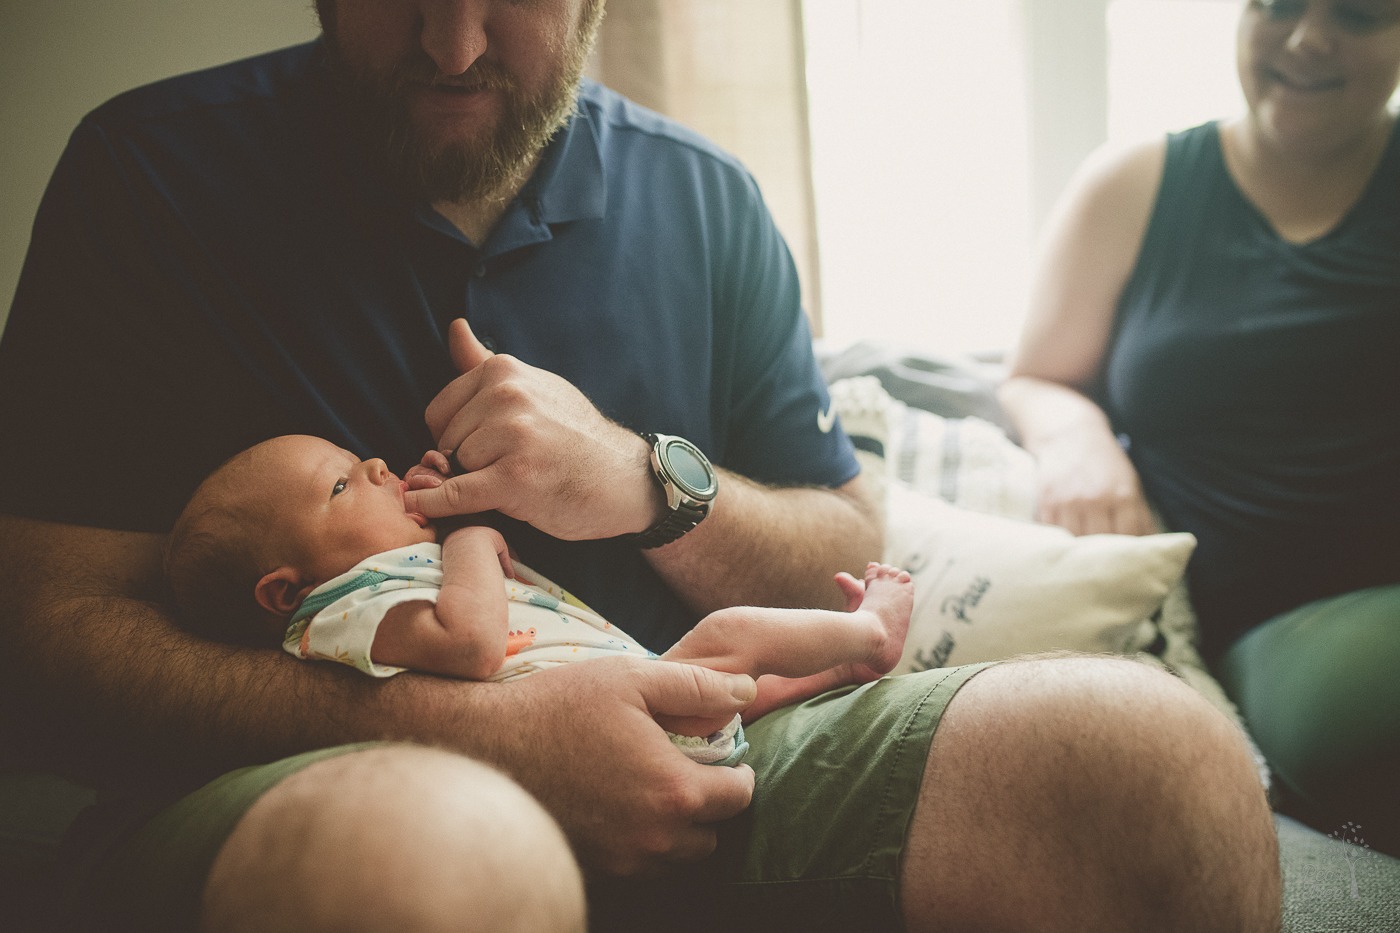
339, 487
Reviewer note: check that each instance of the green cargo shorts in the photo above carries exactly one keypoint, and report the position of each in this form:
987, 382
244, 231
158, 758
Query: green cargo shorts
819, 849
821, 846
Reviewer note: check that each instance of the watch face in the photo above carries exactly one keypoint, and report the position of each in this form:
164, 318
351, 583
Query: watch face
689, 469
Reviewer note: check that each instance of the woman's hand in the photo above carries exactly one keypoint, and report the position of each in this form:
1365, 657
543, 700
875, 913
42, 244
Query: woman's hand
1086, 482
1088, 485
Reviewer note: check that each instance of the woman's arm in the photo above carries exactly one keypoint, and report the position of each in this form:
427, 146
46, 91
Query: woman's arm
1087, 483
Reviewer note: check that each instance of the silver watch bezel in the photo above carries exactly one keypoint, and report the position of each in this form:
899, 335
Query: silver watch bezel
686, 504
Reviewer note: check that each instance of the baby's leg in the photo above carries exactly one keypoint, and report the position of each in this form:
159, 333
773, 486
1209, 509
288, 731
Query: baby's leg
812, 650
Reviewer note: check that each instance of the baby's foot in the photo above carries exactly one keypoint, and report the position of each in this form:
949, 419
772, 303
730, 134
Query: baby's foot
888, 598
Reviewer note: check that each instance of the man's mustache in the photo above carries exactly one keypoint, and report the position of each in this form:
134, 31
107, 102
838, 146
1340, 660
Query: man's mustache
421, 71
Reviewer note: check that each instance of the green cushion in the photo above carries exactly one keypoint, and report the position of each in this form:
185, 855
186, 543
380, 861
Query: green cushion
1319, 691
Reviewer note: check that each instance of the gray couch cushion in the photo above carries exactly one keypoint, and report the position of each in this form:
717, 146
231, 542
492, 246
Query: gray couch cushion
1331, 885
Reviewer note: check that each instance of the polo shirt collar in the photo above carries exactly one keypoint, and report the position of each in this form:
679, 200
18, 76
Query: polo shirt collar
569, 184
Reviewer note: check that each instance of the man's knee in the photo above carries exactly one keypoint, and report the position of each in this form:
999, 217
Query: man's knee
397, 837
1109, 790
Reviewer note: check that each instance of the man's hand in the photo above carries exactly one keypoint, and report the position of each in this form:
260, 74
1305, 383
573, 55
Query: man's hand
532, 447
583, 740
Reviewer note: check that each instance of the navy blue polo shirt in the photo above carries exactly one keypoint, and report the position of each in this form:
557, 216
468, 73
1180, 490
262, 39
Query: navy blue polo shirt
214, 263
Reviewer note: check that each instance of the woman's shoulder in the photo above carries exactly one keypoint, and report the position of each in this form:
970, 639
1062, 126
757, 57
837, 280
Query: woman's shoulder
1111, 196
1127, 172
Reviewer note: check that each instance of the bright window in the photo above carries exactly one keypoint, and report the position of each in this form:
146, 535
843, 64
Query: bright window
1171, 65
923, 156
919, 168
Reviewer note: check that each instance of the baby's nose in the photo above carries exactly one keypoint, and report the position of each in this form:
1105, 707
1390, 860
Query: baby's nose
378, 471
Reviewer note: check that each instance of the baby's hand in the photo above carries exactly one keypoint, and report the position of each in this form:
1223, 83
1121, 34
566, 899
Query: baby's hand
430, 472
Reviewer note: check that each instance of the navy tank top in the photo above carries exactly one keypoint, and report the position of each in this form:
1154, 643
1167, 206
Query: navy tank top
1256, 384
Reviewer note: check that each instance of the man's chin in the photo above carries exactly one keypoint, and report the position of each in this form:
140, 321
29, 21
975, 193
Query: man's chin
442, 109
445, 145
457, 172
452, 162
449, 145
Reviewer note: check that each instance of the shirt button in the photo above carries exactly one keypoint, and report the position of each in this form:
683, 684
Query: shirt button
480, 271
488, 343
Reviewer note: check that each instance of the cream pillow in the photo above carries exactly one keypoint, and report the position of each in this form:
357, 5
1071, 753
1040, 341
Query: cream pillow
987, 587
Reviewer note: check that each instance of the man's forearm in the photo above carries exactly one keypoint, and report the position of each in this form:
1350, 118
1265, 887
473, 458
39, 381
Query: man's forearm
767, 546
127, 690
102, 680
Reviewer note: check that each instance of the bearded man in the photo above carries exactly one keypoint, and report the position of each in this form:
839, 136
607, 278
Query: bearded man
281, 246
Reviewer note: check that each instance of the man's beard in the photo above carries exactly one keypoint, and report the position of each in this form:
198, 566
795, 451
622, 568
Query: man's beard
459, 171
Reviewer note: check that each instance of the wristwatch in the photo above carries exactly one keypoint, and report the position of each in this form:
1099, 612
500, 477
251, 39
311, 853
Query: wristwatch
690, 485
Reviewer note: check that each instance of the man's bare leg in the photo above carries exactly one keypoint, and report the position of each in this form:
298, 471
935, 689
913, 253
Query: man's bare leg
1089, 794
395, 838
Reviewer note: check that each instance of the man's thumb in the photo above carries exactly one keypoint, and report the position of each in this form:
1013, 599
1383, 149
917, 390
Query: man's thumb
688, 690
451, 497
467, 352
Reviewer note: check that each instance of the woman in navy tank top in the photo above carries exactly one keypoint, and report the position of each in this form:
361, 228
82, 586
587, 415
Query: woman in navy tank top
1215, 330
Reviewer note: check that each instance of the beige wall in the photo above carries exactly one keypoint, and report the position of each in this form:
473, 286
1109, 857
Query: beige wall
61, 58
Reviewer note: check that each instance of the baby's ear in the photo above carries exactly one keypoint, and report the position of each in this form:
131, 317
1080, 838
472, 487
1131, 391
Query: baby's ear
281, 591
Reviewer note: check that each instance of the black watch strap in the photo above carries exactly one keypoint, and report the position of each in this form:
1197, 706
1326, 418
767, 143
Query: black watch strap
675, 524
690, 487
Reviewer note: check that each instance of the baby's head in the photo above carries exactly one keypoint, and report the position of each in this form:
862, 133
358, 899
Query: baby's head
273, 523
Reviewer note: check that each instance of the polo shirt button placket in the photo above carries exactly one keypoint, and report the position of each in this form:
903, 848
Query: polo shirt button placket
479, 272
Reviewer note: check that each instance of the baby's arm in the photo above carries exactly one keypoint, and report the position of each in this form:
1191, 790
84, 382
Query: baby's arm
464, 633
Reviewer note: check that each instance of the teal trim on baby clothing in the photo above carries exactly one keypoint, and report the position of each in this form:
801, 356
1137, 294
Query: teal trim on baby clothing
320, 600
725, 748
